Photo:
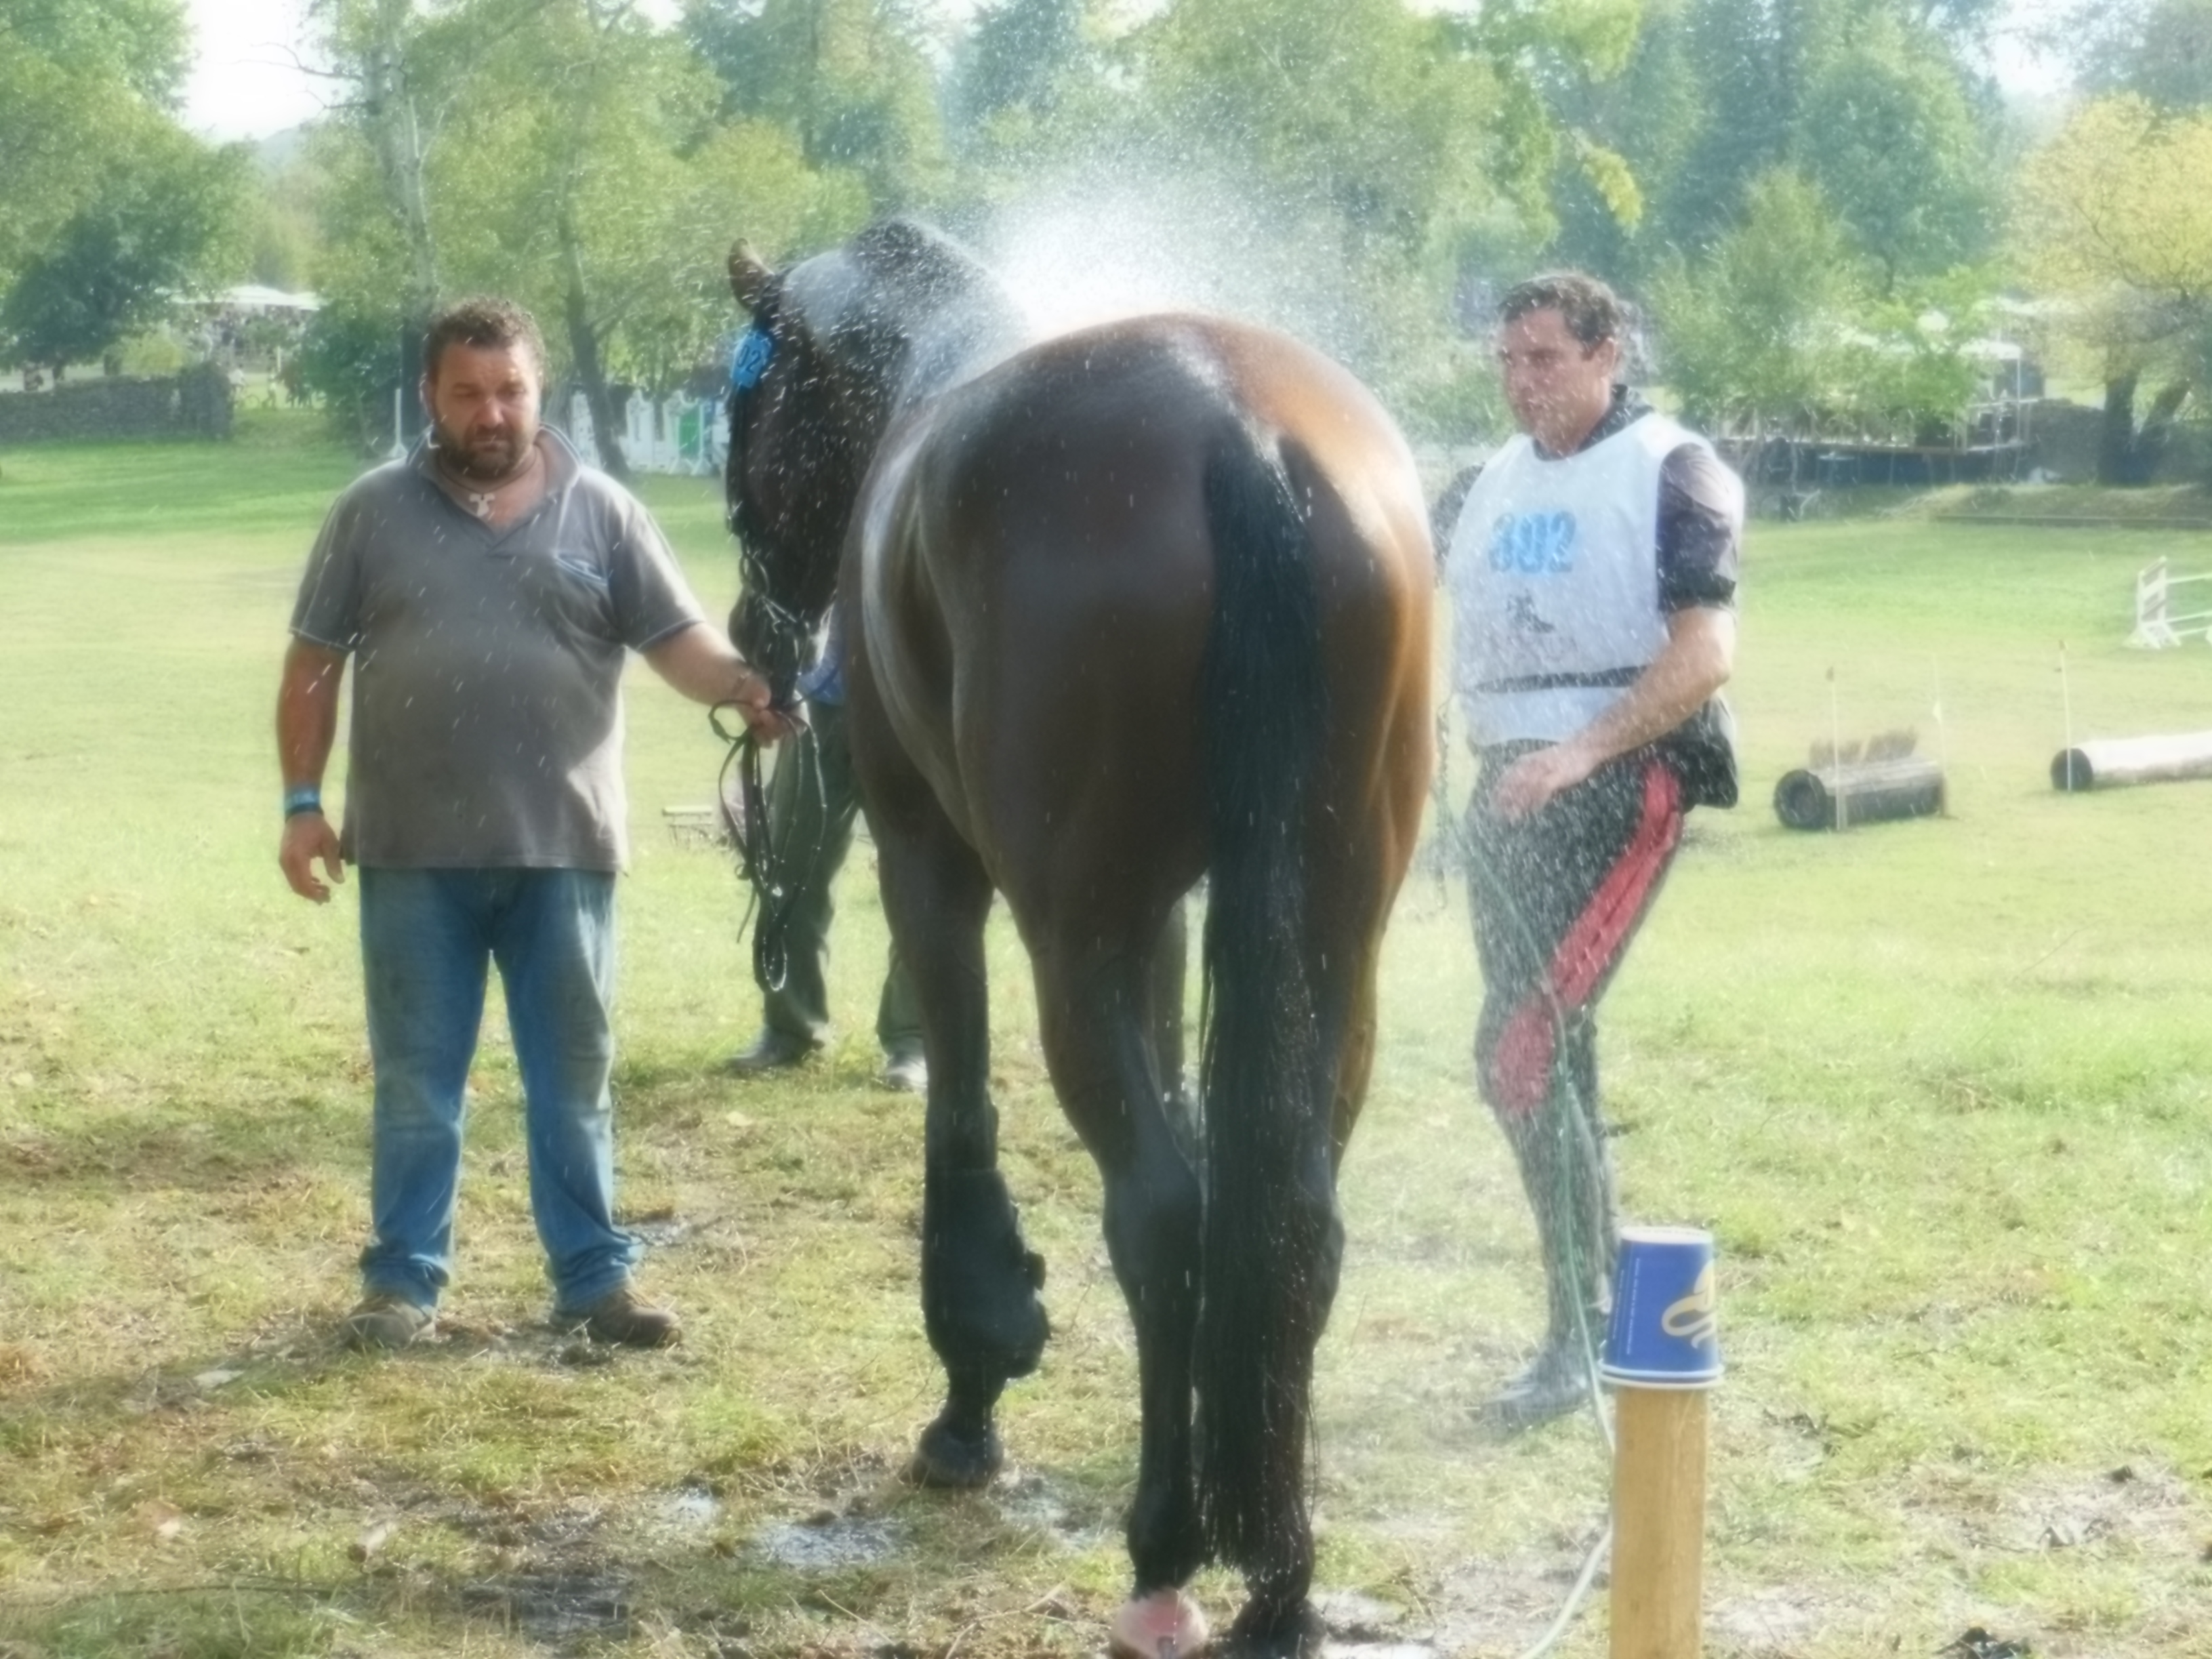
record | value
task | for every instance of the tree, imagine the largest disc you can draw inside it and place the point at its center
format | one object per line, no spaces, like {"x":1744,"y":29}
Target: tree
{"x":349,"y":358}
{"x":1015,"y":57}
{"x":850,"y":79}
{"x":1753,"y":335}
{"x":2159,"y":50}
{"x":82,"y":81}
{"x":1876,"y":101}
{"x":403,"y":70}
{"x":1343,"y":171}
{"x":1887,"y":133}
{"x":1364,"y":155}
{"x":1750,"y":63}
{"x":572,"y":155}
{"x":1652,"y":114}
{"x":589,"y":174}
{"x":286,"y":244}
{"x":142,"y":46}
{"x":109,"y":206}
{"x":161,"y":221}
{"x":2114,"y":213}
{"x":1362,"y":109}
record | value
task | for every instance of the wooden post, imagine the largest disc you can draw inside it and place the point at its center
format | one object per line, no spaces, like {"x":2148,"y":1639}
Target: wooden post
{"x":1658,"y":1522}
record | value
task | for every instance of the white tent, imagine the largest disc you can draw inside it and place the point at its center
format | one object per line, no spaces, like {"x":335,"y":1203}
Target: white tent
{"x":252,"y":296}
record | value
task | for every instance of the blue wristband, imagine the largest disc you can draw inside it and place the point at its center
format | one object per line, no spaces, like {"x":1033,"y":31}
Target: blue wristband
{"x":307,"y":798}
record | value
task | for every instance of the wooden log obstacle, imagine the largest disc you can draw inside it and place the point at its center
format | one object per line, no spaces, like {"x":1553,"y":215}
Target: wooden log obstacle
{"x":1860,"y":783}
{"x":1868,"y":792}
{"x":2158,"y":623}
{"x":2116,"y":761}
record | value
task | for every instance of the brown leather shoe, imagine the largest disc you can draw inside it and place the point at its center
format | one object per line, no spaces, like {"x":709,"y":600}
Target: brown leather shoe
{"x":620,"y":1317}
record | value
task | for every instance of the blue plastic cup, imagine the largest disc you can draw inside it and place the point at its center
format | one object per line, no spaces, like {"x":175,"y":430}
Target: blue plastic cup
{"x":1665,"y":1332}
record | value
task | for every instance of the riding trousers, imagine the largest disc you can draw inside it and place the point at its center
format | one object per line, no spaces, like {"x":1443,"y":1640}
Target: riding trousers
{"x":1558,"y":895}
{"x":812,"y":804}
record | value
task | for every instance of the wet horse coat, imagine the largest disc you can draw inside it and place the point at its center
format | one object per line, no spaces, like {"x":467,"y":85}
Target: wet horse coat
{"x":1121,"y":610}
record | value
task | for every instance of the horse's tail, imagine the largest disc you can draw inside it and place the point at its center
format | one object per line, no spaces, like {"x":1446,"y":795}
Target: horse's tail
{"x":1272,"y":1237}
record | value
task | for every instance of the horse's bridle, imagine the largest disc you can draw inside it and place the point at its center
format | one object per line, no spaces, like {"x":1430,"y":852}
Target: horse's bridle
{"x":756,"y":352}
{"x":772,"y":872}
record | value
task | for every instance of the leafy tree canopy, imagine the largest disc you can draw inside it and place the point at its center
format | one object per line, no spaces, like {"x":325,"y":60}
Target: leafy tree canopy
{"x":142,"y":46}
{"x":2119,"y":199}
{"x":81,"y":83}
{"x":2159,"y":50}
{"x":1017,"y":55}
{"x":1877,"y":102}
{"x":162,"y":223}
{"x":1887,"y":133}
{"x":1749,"y":333}
{"x":584,"y":168}
{"x":851,"y":79}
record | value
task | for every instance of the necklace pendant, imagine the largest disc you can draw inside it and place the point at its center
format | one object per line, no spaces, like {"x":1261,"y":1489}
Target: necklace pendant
{"x":480,"y":504}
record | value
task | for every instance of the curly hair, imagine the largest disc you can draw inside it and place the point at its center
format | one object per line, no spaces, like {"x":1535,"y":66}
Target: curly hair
{"x":484,"y":321}
{"x":1592,"y":312}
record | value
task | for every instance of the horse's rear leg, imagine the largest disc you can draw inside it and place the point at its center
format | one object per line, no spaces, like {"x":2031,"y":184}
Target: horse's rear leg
{"x":1104,"y":1021}
{"x":979,"y":1281}
{"x":1171,"y":964}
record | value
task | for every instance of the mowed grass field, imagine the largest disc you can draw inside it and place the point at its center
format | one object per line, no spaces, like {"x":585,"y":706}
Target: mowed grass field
{"x":1943,"y":1091}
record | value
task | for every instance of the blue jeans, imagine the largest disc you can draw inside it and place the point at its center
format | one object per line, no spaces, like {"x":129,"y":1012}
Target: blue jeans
{"x":426,"y":937}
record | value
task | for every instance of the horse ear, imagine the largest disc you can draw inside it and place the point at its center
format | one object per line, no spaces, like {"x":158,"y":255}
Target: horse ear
{"x":749,"y":278}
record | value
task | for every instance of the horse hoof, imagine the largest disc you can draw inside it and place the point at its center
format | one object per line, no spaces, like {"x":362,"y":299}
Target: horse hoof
{"x":1165,"y":1624}
{"x":955,"y":1461}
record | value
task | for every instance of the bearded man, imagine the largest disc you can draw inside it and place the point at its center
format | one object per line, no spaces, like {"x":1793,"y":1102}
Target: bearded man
{"x":485,"y":587}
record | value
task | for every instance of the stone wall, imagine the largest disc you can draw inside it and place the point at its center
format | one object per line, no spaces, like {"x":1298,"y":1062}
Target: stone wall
{"x":195,"y":404}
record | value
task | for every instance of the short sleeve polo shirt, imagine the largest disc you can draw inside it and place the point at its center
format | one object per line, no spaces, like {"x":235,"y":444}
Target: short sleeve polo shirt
{"x":486,"y":723}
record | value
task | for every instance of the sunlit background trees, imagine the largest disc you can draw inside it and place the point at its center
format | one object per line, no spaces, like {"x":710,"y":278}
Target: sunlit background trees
{"x":1819,"y":204}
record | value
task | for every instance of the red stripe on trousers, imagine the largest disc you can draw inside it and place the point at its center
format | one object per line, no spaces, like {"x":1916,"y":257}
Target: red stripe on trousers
{"x":1520,"y":1064}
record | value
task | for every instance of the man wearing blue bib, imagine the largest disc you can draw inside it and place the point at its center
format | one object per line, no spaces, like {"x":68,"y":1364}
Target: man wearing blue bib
{"x":1592,"y":569}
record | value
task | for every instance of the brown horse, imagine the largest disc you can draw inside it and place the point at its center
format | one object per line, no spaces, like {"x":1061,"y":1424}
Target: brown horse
{"x":1121,"y":610}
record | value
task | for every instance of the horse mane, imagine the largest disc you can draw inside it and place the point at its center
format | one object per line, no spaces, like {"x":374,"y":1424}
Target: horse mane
{"x":925,"y":312}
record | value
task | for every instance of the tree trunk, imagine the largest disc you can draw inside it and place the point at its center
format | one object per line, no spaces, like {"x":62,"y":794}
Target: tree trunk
{"x":2116,"y":443}
{"x":2128,"y":453}
{"x":2157,"y":429}
{"x":584,"y":348}
{"x":402,"y":154}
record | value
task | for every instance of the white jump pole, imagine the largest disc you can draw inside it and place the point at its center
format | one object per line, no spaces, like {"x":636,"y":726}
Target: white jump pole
{"x":2066,"y":711}
{"x":1835,"y":752}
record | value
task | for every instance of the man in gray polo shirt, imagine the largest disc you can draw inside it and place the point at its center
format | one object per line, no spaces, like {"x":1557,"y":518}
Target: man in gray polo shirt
{"x":486,"y":587}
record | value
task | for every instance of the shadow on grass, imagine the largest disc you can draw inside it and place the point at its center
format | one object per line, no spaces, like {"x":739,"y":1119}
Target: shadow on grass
{"x":843,"y":1576}
{"x":171,"y":1145}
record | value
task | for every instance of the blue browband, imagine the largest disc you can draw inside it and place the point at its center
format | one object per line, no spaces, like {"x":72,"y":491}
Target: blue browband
{"x":756,"y":350}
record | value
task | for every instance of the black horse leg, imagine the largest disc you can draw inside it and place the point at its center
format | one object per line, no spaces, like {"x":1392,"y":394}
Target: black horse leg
{"x":1096,"y":1011}
{"x":1170,"y":958}
{"x":979,"y":1281}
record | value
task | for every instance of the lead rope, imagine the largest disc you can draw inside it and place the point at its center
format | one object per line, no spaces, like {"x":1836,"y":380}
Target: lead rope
{"x":772,"y":895}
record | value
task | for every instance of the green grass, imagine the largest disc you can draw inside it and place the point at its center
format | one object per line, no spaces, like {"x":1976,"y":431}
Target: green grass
{"x":1941,"y":1089}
